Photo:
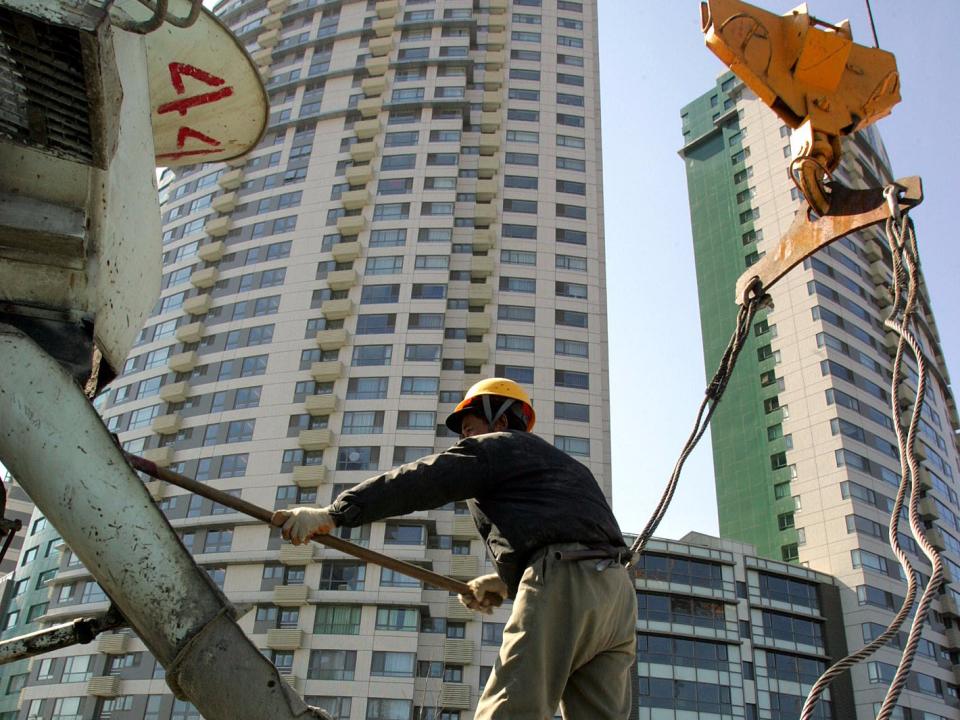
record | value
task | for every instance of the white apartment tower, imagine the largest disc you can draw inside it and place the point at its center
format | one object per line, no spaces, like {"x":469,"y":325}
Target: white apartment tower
{"x":424,"y":210}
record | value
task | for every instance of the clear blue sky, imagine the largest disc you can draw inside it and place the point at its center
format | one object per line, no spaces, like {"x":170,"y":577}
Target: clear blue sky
{"x":652,"y":62}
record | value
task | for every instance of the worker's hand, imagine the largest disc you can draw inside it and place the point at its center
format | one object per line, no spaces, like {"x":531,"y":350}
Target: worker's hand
{"x":302,"y":523}
{"x":487,"y":592}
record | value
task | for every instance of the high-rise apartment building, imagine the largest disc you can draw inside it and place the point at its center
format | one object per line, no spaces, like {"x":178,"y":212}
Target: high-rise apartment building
{"x":424,"y":210}
{"x":804,"y":446}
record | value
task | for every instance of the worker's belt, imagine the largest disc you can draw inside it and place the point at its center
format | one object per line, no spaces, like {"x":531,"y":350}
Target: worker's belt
{"x":620,"y":555}
{"x":575,"y":552}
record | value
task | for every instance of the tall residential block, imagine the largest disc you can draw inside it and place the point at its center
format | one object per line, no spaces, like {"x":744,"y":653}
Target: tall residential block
{"x":424,"y":210}
{"x":804,"y":446}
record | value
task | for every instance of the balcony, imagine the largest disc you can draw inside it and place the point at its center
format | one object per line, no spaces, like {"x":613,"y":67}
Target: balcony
{"x":346,"y":251}
{"x":263,"y":57}
{"x":455,"y":695}
{"x":365,"y":129}
{"x":319,"y":405}
{"x":156,"y":489}
{"x":269,"y":39}
{"x":191,"y":332}
{"x":351,"y":224}
{"x":331,"y":339}
{"x":481,"y":266}
{"x":205,"y":277}
{"x":380,"y":46}
{"x":486,"y":189}
{"x":355,"y":199}
{"x":326,"y":371}
{"x":492,"y":79}
{"x":373,"y":86}
{"x":272,"y":21}
{"x":477,"y":323}
{"x":290,"y":595}
{"x":489,"y":142}
{"x":484,"y":214}
{"x":284,"y":638}
{"x":309,"y":475}
{"x":483,"y":239}
{"x":211,"y":252}
{"x":879,"y":271}
{"x":197,"y":305}
{"x":936,"y":538}
{"x":217,"y":227}
{"x":336,"y":309}
{"x":113,"y":644}
{"x":358,"y":175}
{"x":342,"y":279}
{"x":105,"y":686}
{"x":231,"y":179}
{"x":464,"y":566}
{"x":277,"y":6}
{"x":166,"y":424}
{"x":183,"y":362}
{"x":224,"y":203}
{"x":175,"y":392}
{"x":928,"y":509}
{"x":948,"y":606}
{"x":456,"y":610}
{"x":296,"y":554}
{"x":496,"y":7}
{"x":315,"y":439}
{"x":493,"y":60}
{"x":871,"y":248}
{"x":489,"y":121}
{"x":492,"y":100}
{"x":384,"y":27}
{"x":161,"y":457}
{"x":487,"y":167}
{"x":387,"y":8}
{"x":882,"y":295}
{"x":370,"y":107}
{"x":464,"y":528}
{"x":457,"y":651}
{"x":377,"y":65}
{"x":476,"y":353}
{"x":479,"y":294}
{"x":363,"y":152}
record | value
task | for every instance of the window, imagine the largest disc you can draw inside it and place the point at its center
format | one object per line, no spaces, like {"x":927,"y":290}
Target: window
{"x":337,"y":620}
{"x":358,"y":458}
{"x":392,"y":664}
{"x":394,"y":186}
{"x":360,"y":422}
{"x":398,"y":619}
{"x":516,"y":313}
{"x":571,"y":411}
{"x":378,"y":323}
{"x":379,"y":294}
{"x":391,"y":211}
{"x":414,"y":352}
{"x":371,"y":355}
{"x":572,"y":445}
{"x":516,"y":343}
{"x":518,"y":284}
{"x":572,"y":348}
{"x":419,"y":386}
{"x":332,"y":664}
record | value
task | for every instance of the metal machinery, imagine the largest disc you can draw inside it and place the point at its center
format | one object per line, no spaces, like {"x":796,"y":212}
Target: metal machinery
{"x":94,"y":96}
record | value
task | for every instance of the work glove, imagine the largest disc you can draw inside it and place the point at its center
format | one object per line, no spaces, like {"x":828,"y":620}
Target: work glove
{"x":486,"y":593}
{"x":302,"y":523}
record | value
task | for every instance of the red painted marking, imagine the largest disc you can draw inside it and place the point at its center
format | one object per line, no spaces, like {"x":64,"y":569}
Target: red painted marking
{"x":184,"y":132}
{"x":186,"y":153}
{"x":181,"y":106}
{"x":178,"y":70}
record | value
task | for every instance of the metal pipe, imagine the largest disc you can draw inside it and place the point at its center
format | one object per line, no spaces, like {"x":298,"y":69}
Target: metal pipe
{"x":79,"y":631}
{"x":55,"y":444}
{"x":264,"y":515}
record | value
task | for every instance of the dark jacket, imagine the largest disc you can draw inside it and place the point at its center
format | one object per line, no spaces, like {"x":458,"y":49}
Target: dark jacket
{"x":523,"y":493}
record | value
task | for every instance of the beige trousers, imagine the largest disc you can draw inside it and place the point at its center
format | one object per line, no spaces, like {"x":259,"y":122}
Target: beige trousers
{"x":570,"y":642}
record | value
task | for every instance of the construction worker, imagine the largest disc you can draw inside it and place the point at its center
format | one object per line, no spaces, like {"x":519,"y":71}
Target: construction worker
{"x":571,"y":637}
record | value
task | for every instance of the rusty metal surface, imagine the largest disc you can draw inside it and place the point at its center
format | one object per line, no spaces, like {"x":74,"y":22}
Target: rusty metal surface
{"x":264,"y":515}
{"x":53,"y":441}
{"x":79,"y":631}
{"x":850,"y":210}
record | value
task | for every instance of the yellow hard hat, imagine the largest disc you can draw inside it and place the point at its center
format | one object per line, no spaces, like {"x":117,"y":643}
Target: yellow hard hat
{"x":479,"y":395}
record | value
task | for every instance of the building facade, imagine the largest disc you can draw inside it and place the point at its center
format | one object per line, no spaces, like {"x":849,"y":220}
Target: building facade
{"x":725,"y":633}
{"x":424,"y":210}
{"x":804,"y":445}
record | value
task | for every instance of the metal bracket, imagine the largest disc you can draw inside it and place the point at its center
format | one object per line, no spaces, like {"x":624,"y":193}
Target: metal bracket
{"x":850,"y":210}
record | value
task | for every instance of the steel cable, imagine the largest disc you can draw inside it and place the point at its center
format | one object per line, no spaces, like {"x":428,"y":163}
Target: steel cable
{"x":754,"y":298}
{"x":901,"y":240}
